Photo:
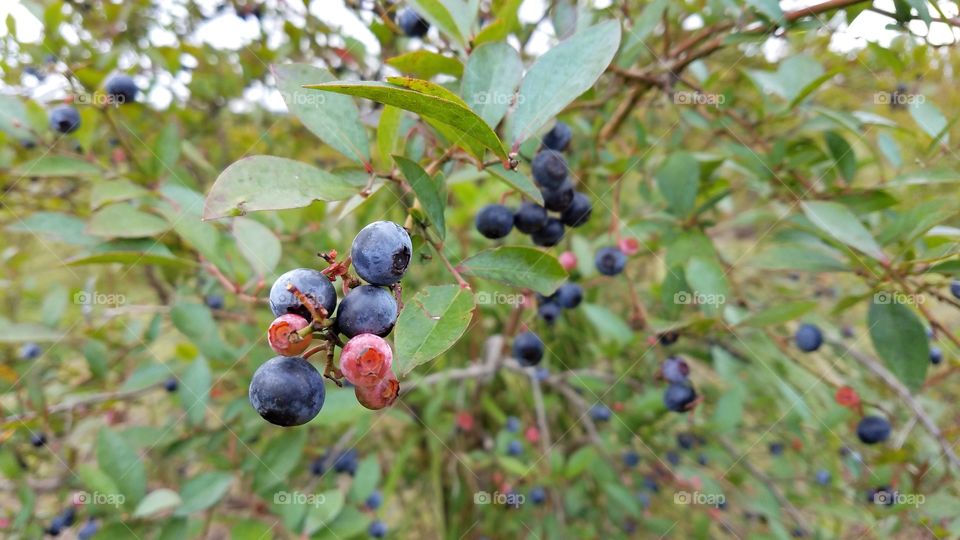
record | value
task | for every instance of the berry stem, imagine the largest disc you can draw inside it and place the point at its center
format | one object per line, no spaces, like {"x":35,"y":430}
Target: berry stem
{"x":318,"y":313}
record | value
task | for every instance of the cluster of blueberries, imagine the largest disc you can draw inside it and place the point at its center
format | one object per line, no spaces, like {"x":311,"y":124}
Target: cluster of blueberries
{"x":346,"y":462}
{"x":120,"y":89}
{"x":551,"y":174}
{"x":679,"y":395}
{"x":64,"y":520}
{"x":287,"y":390}
{"x":567,"y":296}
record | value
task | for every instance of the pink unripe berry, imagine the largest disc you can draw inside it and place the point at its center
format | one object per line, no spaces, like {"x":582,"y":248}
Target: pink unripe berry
{"x":568,"y":260}
{"x":366,"y":359}
{"x":629,"y":246}
{"x":381,"y":395}
{"x":282,"y":335}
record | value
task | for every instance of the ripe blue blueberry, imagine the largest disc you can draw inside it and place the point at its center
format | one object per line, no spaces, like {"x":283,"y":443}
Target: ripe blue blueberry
{"x":312,"y":283}
{"x":121,"y":89}
{"x":686,"y":440}
{"x":558,"y":138}
{"x":347,"y":462}
{"x":650,"y":483}
{"x":88,"y":530}
{"x":569,"y":295}
{"x":378,"y":529}
{"x":30,"y":351}
{"x":631,"y":458}
{"x":776,"y":448}
{"x":560,"y":198}
{"x":578,"y":212}
{"x":549,"y":169}
{"x":513,"y":424}
{"x":412,"y":24}
{"x":644,"y":500}
{"x":381,"y":253}
{"x":600,"y":413}
{"x":514,"y":448}
{"x":702,"y":459}
{"x":38,"y":440}
{"x":873,"y":429}
{"x":495,"y":221}
{"x":367,"y":310}
{"x":678,"y":397}
{"x":936,"y":355}
{"x":955,"y":288}
{"x":374,"y":500}
{"x":673,"y":458}
{"x":549,"y":312}
{"x":668,"y":338}
{"x":530,"y":218}
{"x":170,"y":385}
{"x":823,"y":477}
{"x":287,"y":391}
{"x":213,"y":301}
{"x":318,"y":466}
{"x":675,"y":370}
{"x":610,"y":261}
{"x":64,"y":119}
{"x":538,"y":495}
{"x":550,"y":235}
{"x":808,"y":338}
{"x":528,"y":349}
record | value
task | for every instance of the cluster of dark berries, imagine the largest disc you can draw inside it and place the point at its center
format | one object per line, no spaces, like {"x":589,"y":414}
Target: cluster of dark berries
{"x":680,"y":395}
{"x":552,"y":176}
{"x":568,"y":296}
{"x":287,"y":390}
{"x":120,"y":89}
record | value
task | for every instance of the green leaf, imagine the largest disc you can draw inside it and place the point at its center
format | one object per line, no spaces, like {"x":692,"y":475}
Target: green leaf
{"x":518,"y":181}
{"x":428,"y":192}
{"x":791,"y":78}
{"x":388,"y":134}
{"x":195,"y":390}
{"x":778,"y":314}
{"x":13,"y":118}
{"x":157,"y":501}
{"x":55,"y":226}
{"x":365,"y":480}
{"x":122,"y":220}
{"x":23,"y":332}
{"x":272,"y":183}
{"x":769,"y":8}
{"x":335,"y":119}
{"x":437,"y":14}
{"x":130,"y":252}
{"x":708,"y":282}
{"x":519,"y":266}
{"x":122,"y":464}
{"x":115,"y":190}
{"x":259,"y":246}
{"x":323,"y":511}
{"x":55,"y":166}
{"x":838,"y":222}
{"x":493,"y":72}
{"x":203,"y":491}
{"x":341,"y":408}
{"x":560,"y":76}
{"x":929,"y":118}
{"x":426,"y":102}
{"x":797,"y":257}
{"x":678,"y":179}
{"x":196,"y":322}
{"x":279,"y":459}
{"x":426,"y":64}
{"x":842,"y":154}
{"x":430,"y":324}
{"x":900,"y":339}
{"x":608,"y":323}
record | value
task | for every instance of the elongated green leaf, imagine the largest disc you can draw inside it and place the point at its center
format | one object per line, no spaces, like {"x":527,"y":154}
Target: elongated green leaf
{"x":708,"y":282}
{"x":195,"y":390}
{"x":518,"y":181}
{"x":55,"y":166}
{"x":426,"y":64}
{"x":388,"y":134}
{"x":122,"y":220}
{"x":55,"y":226}
{"x":325,"y":509}
{"x":438,"y":14}
{"x":519,"y":266}
{"x":490,"y":80}
{"x":196,"y":322}
{"x":279,"y":459}
{"x":157,"y":501}
{"x":114,"y":190}
{"x":778,"y":314}
{"x":272,"y":183}
{"x":122,"y":464}
{"x":929,"y":118}
{"x":425,"y":102}
{"x":203,"y":491}
{"x":430,"y":324}
{"x":678,"y":179}
{"x":335,"y":119}
{"x":900,"y":339}
{"x":13,"y":118}
{"x":560,"y":76}
{"x":838,"y":222}
{"x":23,"y":332}
{"x":428,"y":193}
{"x":259,"y":246}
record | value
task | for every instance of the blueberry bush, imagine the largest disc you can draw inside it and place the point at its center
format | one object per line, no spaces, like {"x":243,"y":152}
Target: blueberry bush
{"x":479,"y":269}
